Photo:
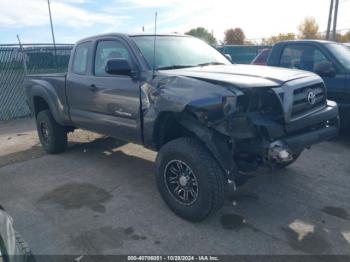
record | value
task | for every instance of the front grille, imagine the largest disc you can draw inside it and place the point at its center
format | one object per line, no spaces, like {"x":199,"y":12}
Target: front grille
{"x":307,"y":98}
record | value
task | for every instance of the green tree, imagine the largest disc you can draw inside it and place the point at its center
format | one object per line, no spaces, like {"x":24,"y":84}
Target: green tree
{"x":277,"y":38}
{"x":308,"y":29}
{"x":234,"y":36}
{"x":202,"y":33}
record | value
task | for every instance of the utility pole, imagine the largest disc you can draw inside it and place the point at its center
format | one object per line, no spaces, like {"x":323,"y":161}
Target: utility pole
{"x":335,"y":20}
{"x":330,"y":20}
{"x":52,"y":32}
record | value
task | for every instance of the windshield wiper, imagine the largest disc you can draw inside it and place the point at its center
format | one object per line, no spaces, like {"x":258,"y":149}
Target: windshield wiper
{"x":211,"y":63}
{"x":186,"y":66}
{"x":173,"y":67}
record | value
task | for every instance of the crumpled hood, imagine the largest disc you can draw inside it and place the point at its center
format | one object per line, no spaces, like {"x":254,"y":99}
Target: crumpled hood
{"x":243,"y":76}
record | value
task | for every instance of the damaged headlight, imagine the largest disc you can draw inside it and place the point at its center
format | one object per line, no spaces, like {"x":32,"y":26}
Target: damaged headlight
{"x":229,"y":104}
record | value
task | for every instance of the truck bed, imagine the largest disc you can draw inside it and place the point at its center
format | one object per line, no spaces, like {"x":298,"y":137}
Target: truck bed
{"x":55,"y":86}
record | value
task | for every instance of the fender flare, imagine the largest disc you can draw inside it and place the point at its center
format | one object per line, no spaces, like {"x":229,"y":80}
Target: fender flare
{"x":51,"y":99}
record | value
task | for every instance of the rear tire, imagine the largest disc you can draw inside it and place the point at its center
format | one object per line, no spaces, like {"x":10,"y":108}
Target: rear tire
{"x":53,"y":137}
{"x":185,"y":165}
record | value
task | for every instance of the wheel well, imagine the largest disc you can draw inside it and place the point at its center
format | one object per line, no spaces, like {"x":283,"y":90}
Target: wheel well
{"x":168,"y":128}
{"x":39,"y":105}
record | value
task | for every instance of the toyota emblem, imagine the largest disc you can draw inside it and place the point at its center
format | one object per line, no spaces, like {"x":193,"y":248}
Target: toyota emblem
{"x":311,"y":97}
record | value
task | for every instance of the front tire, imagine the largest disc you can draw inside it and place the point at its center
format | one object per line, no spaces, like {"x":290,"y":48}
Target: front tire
{"x":189,"y":179}
{"x":53,"y":137}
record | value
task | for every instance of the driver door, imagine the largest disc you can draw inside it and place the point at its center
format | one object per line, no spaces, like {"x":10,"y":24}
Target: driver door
{"x":101,"y":102}
{"x":116,"y":97}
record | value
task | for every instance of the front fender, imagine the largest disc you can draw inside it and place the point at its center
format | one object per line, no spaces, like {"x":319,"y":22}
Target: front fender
{"x":176,"y":94}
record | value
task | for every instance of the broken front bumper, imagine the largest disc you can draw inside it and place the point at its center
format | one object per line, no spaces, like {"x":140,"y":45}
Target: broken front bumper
{"x":305,"y":132}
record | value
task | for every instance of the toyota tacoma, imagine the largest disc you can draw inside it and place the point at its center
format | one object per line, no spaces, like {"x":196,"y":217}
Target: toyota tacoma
{"x":329,"y":60}
{"x":209,"y":120}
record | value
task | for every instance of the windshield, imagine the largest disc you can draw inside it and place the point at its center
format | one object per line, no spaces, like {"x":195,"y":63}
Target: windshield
{"x":342,"y":53}
{"x":178,"y":52}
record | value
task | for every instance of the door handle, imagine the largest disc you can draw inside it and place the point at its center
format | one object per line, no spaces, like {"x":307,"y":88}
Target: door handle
{"x":93,"y":88}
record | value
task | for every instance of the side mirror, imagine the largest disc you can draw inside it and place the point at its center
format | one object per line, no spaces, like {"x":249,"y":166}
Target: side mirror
{"x":118,"y":66}
{"x":325,"y":69}
{"x":228,"y":56}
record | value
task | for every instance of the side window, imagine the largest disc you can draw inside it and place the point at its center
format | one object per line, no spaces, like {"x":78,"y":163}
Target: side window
{"x":81,"y":57}
{"x":302,"y":57}
{"x":290,"y":57}
{"x":319,"y":58}
{"x":106,"y":50}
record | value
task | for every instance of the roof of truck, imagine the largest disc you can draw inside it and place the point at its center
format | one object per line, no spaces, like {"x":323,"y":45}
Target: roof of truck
{"x":307,"y":41}
{"x":126,"y":35}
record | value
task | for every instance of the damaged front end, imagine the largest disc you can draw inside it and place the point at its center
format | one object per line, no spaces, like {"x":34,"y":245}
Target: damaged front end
{"x":243,"y":127}
{"x":258,"y":126}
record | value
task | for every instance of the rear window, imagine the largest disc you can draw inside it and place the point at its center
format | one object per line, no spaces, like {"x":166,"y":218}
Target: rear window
{"x":81,"y":56}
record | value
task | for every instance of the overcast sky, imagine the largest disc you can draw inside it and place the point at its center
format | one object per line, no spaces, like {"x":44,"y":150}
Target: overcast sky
{"x":74,"y":19}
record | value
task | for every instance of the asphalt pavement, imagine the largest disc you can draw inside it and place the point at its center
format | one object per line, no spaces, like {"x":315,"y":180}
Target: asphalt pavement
{"x":100,"y":197}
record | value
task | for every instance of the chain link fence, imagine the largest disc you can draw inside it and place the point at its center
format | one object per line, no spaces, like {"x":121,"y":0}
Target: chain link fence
{"x":39,"y":59}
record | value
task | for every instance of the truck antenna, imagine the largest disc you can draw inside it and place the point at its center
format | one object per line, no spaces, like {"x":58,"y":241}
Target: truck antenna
{"x":52,"y":32}
{"x":24,"y":60}
{"x":154,"y":44}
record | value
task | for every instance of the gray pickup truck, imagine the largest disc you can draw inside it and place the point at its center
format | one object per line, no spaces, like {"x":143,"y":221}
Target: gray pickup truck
{"x":210,"y":121}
